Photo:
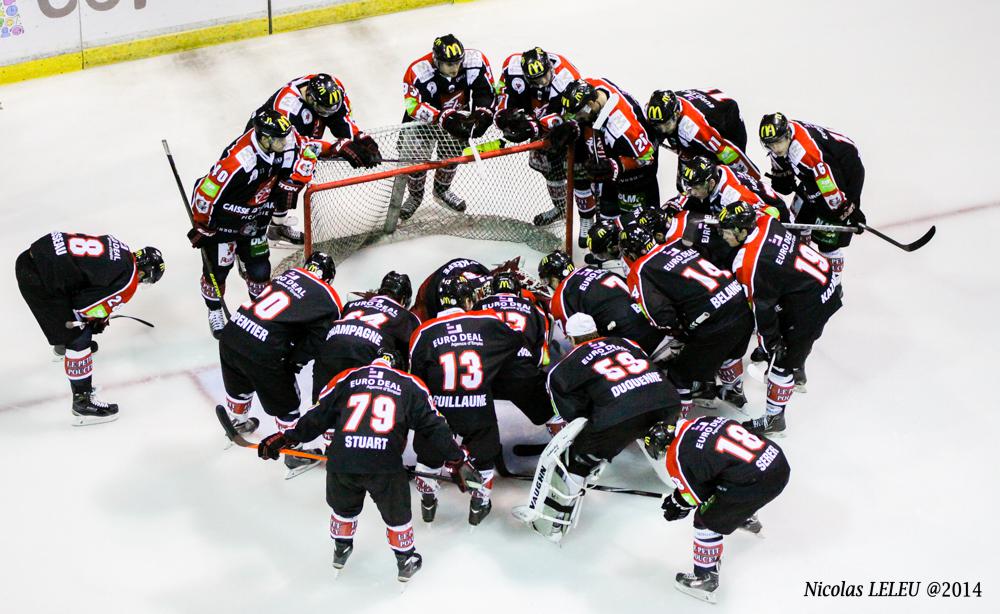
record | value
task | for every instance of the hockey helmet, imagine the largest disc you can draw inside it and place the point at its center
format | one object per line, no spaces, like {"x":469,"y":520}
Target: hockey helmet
{"x":662,"y":106}
{"x":321,"y":264}
{"x":696,"y":172}
{"x":536,"y":66}
{"x":557,"y":264}
{"x":602,"y":238}
{"x":324,"y":95}
{"x":447,"y":48}
{"x":773,"y":127}
{"x":397,"y":287}
{"x":455,"y":290}
{"x":505,"y":282}
{"x":737,"y":216}
{"x":390,"y":357}
{"x":149,"y":263}
{"x":636,"y":242}
{"x":575,"y":98}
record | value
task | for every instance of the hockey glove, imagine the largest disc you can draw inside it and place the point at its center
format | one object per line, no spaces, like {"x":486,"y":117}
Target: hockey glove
{"x":97,"y":326}
{"x":199,"y":236}
{"x":270,"y":447}
{"x":456,"y":123}
{"x":520,"y":128}
{"x":561,"y":136}
{"x":851,"y":214}
{"x":602,"y":169}
{"x":503,"y":118}
{"x":465,"y":475}
{"x":783,"y":182}
{"x":675,"y":507}
{"x":481,"y":119}
{"x":351,"y":151}
{"x":372,"y":156}
{"x":775,"y":348}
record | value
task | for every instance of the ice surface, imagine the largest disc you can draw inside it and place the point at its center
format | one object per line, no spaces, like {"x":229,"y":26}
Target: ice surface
{"x":894,"y":472}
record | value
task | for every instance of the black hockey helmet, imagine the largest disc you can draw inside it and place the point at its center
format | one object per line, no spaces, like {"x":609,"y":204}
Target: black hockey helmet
{"x":658,"y":439}
{"x":602,"y":238}
{"x":654,"y":219}
{"x":505,"y":282}
{"x":397,"y":287}
{"x":268,"y":122}
{"x":321,"y":264}
{"x":149,"y":263}
{"x":455,"y":290}
{"x":390,"y":356}
{"x":662,"y":106}
{"x":447,"y":48}
{"x":773,"y":127}
{"x":737,"y":216}
{"x":576,"y":95}
{"x":697,"y":171}
{"x":557,"y":264}
{"x":636,"y":242}
{"x":535,"y":64}
{"x":324,"y":95}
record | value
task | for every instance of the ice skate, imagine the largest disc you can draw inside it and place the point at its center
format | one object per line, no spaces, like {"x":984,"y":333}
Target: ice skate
{"x":410,"y":205}
{"x":549,"y":216}
{"x":800,"y":379}
{"x":768,"y":424}
{"x":341,"y":552}
{"x":428,"y":507}
{"x":753,"y":526}
{"x":297,"y":465}
{"x":407,"y":564}
{"x":699,"y":586}
{"x":246,"y":425}
{"x":733,"y":396}
{"x":216,"y":321}
{"x":758,"y":355}
{"x":445,"y":197}
{"x":88,"y":409}
{"x":479,"y":509}
{"x":286,"y":234}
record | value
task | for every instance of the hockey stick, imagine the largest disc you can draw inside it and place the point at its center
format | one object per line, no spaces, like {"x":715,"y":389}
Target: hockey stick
{"x":187,"y":209}
{"x":906,"y":247}
{"x":233,"y":436}
{"x":504,"y":472}
{"x":80,"y":324}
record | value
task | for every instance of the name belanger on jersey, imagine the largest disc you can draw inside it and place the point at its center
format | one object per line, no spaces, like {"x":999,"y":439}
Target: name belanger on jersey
{"x":723,"y":296}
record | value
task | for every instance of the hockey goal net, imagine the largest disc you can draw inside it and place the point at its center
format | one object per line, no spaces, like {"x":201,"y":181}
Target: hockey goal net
{"x":347,"y":209}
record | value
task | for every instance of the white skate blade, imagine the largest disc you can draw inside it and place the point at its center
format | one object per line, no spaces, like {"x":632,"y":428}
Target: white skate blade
{"x":698,"y":594}
{"x":297,"y":471}
{"x":89,"y":420}
{"x":525,"y":514}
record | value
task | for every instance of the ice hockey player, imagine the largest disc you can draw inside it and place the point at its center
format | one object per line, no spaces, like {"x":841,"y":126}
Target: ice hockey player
{"x":72,"y":284}
{"x":711,"y":186}
{"x":428,"y":304}
{"x":520,"y":313}
{"x":700,"y":305}
{"x":450,"y":87}
{"x":776,"y":268}
{"x":381,"y":321}
{"x":697,"y":230}
{"x":616,"y":152}
{"x":700,"y":123}
{"x":232,"y":205}
{"x":312,"y":104}
{"x":528,"y":106}
{"x":613,"y":386}
{"x":601,"y":294}
{"x":260,"y":348}
{"x":727,"y":473}
{"x":824,"y":170}
{"x":368,"y":412}
{"x":655,"y":219}
{"x":460,"y":355}
{"x":602,"y":242}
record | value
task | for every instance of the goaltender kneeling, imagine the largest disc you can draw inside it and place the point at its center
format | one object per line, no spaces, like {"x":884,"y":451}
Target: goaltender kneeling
{"x":371,"y":410}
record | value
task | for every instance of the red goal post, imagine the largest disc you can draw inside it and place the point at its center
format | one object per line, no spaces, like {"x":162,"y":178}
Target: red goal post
{"x":347,"y":209}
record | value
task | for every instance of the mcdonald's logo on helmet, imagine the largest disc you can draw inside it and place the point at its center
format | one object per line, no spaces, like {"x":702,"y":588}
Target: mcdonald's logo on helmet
{"x":447,"y":48}
{"x":773,"y":127}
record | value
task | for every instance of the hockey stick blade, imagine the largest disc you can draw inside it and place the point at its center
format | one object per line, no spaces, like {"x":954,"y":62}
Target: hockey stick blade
{"x":600,"y":487}
{"x":906,"y":247}
{"x":227,"y":426}
{"x":529,"y":449}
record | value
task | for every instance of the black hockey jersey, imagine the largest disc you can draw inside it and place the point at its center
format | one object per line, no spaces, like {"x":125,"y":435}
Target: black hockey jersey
{"x":710,"y":125}
{"x":428,"y":303}
{"x":394,"y":322}
{"x":427,"y":93}
{"x":609,"y":380}
{"x":458,"y":355}
{"x":514,"y":91}
{"x":367,"y":413}
{"x":235,"y":199}
{"x":693,"y":231}
{"x":826,"y":164}
{"x":715,"y":453}
{"x":97,"y":273}
{"x":685,"y":293}
{"x":778,"y":271}
{"x":295,"y":305}
{"x":604,"y":296}
{"x":525,"y":317}
{"x":618,"y":132}
{"x":289,"y":102}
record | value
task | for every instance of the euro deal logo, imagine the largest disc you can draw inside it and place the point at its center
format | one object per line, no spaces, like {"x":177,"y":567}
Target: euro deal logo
{"x":10,"y":20}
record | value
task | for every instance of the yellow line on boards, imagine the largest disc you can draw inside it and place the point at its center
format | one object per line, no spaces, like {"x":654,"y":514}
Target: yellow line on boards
{"x":203,"y":37}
